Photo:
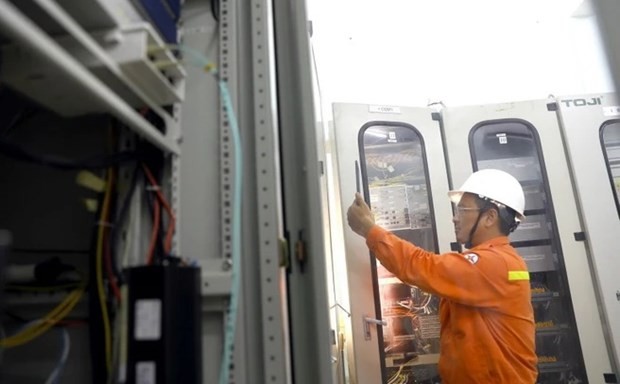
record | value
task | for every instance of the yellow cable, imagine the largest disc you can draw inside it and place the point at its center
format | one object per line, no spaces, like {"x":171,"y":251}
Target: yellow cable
{"x":33,"y":288}
{"x":53,"y":317}
{"x":99,"y":272}
{"x":48,"y":320}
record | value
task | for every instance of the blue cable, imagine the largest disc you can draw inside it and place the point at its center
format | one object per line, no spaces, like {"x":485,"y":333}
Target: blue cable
{"x":231,"y":321}
{"x":54,"y":377}
{"x":65,"y":348}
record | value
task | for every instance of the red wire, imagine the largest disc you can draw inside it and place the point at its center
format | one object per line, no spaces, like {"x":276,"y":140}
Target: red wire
{"x":164,"y":202}
{"x":155,"y":232}
{"x":170,"y":232}
{"x":72,"y":323}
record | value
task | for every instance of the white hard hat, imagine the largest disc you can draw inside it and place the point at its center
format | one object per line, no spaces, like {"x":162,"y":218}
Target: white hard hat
{"x":498,"y":186}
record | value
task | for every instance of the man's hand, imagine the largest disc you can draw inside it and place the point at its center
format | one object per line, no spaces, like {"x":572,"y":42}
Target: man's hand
{"x":360,"y":217}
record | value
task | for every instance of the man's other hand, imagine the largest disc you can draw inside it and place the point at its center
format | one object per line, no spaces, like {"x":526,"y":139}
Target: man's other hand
{"x":360,"y":217}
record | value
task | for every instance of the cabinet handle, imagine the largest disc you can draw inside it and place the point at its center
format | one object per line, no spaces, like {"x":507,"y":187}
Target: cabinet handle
{"x":368,"y":321}
{"x":358,"y":183}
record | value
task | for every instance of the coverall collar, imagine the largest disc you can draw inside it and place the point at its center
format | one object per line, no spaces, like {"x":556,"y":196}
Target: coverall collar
{"x":500,"y":240}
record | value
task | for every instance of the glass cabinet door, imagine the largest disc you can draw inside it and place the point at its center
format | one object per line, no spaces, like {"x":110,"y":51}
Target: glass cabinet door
{"x":513,"y":146}
{"x":610,"y":141}
{"x":395,"y":182}
{"x":591,"y":135}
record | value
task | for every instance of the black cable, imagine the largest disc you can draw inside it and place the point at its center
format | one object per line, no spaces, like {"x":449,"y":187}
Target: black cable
{"x":161,"y":236}
{"x":118,"y":221}
{"x":16,"y":110}
{"x":21,"y":319}
{"x":108,"y":233}
{"x":52,"y":251}
{"x":95,"y":162}
{"x":19,"y":117}
{"x":17,"y":318}
{"x":215,"y":9}
{"x":96,"y":330}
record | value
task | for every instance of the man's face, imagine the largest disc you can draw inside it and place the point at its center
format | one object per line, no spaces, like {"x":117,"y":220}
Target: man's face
{"x":465,"y":215}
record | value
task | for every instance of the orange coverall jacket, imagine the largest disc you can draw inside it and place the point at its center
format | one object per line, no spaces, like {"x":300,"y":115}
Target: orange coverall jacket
{"x":487,"y":322}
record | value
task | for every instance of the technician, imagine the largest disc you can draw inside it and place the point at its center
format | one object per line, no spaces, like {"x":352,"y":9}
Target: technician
{"x":487,"y":322}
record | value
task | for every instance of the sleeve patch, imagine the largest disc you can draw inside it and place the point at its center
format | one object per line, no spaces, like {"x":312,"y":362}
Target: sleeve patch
{"x":472,"y":257}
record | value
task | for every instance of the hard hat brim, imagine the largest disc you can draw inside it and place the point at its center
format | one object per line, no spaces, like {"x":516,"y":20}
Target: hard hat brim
{"x":455,"y":197}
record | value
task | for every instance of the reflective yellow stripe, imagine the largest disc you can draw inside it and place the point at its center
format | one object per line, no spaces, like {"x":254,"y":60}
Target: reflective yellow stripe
{"x":518,"y":275}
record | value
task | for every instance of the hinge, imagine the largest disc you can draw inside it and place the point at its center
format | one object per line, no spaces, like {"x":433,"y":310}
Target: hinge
{"x":552,"y":106}
{"x":436,"y":116}
{"x":300,"y":251}
{"x":580,"y":236}
{"x":455,"y":247}
{"x":284,"y":258}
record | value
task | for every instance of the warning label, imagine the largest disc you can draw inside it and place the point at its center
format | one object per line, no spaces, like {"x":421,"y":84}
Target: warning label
{"x":429,"y":326}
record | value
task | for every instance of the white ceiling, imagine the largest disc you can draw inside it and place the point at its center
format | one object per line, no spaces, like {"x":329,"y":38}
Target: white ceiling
{"x":460,"y":52}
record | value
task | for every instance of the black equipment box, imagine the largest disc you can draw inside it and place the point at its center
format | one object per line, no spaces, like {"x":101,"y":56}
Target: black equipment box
{"x":164,"y":330}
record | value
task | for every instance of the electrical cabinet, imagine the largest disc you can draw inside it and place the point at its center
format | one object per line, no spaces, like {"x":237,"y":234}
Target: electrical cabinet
{"x":393,"y":156}
{"x":92,"y":57}
{"x":524,"y":139}
{"x":73,"y":196}
{"x":591,"y":127}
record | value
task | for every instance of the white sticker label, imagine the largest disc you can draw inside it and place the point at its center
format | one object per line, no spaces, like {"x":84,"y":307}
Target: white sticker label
{"x":147,"y":324}
{"x":528,"y":226}
{"x":611,"y":111}
{"x":392,"y":137}
{"x":383,"y":109}
{"x":534,"y":257}
{"x":502,"y":138}
{"x":145,"y":372}
{"x":122,"y":372}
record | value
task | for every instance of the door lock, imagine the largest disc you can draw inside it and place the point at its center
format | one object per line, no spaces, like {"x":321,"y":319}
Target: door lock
{"x":367,"y":322}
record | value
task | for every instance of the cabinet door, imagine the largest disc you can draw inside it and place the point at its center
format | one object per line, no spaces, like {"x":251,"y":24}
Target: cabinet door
{"x":394,"y":157}
{"x":591,"y":126}
{"x":524,"y":139}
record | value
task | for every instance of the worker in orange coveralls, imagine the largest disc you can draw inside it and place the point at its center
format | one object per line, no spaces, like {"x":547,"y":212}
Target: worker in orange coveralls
{"x":487,"y":322}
